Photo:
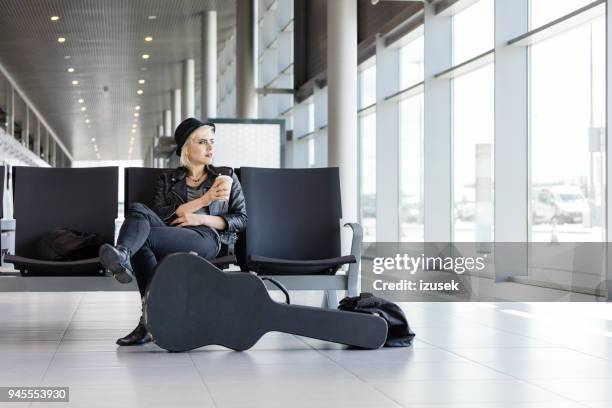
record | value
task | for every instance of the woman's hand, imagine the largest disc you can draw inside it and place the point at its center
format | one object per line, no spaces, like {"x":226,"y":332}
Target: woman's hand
{"x":188,"y":220}
{"x":218,"y":191}
{"x":193,"y":220}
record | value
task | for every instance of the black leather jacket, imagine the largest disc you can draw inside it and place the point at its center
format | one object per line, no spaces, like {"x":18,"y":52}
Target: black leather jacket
{"x":171,"y":192}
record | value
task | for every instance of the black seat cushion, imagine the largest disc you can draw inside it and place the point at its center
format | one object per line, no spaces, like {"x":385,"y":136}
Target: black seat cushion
{"x":275,"y":266}
{"x":31,"y":266}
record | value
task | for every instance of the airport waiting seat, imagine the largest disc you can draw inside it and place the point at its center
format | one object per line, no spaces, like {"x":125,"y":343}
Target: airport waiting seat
{"x":139,"y":187}
{"x":82,"y":199}
{"x":2,"y":171}
{"x":7,"y":226}
{"x":293,"y":230}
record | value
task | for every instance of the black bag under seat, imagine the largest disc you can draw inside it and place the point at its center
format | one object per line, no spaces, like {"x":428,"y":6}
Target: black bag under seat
{"x":63,"y":244}
{"x":398,"y":330}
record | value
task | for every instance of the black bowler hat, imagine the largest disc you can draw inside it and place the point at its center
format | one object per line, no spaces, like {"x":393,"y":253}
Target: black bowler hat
{"x":185,"y":129}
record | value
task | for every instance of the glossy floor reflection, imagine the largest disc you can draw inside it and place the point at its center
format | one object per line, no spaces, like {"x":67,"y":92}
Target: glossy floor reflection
{"x":494,"y":355}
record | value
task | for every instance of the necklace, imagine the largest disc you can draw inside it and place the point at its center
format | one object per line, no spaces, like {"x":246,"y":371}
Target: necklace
{"x":196,"y":179}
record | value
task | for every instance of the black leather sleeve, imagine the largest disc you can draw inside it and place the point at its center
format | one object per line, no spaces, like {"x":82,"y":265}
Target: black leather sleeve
{"x":161,"y":205}
{"x":236,"y":217}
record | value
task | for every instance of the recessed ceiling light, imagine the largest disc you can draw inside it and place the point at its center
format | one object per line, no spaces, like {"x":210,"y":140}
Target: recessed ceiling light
{"x":141,"y":81}
{"x":83,"y":108}
{"x":93,"y":139}
{"x":152,"y":17}
{"x":145,"y":56}
{"x":70,"y":69}
{"x":139,"y":92}
{"x":66,"y":56}
{"x":137,"y":107}
{"x":136,"y":114}
{"x":134,"y":126}
{"x":61,"y":40}
{"x":75,"y":82}
{"x":81,"y":100}
{"x":148,"y":39}
{"x":54,"y":18}
{"x":87,"y":121}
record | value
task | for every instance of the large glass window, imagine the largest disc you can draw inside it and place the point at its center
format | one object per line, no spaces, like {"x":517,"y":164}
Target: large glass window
{"x":473,"y":31}
{"x":367,"y":86}
{"x":411,"y":169}
{"x":473,"y":130}
{"x":411,"y":58}
{"x":367,"y":168}
{"x":545,"y":11}
{"x":311,"y":117}
{"x":367,"y":149}
{"x":311,"y":151}
{"x":567,"y":122}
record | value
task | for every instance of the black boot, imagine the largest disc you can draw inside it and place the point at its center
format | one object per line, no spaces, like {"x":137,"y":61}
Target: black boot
{"x":138,"y":336}
{"x":117,"y":260}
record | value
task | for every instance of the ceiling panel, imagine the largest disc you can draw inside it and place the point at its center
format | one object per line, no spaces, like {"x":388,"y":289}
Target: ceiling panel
{"x":104,"y":44}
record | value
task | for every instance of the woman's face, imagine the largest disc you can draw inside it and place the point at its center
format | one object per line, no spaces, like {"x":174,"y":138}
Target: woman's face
{"x":201,"y":143}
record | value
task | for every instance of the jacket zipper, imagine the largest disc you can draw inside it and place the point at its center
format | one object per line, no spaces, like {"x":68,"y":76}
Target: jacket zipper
{"x":174,"y":212}
{"x":177,"y":194}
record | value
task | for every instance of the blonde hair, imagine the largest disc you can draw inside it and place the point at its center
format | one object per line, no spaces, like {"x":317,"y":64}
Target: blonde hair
{"x":184,"y":160}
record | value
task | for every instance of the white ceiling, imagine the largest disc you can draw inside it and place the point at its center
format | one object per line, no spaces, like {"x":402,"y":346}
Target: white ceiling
{"x":105,"y":42}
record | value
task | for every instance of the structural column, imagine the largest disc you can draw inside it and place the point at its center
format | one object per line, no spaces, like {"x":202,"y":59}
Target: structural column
{"x":46,"y":145}
{"x":511,"y":140}
{"x":168,"y":123}
{"x":342,"y":102}
{"x":37,"y":138}
{"x":157,"y":162}
{"x":209,"y":65}
{"x":26,"y":132}
{"x":437,"y":144}
{"x":176,"y":109}
{"x":608,"y":148}
{"x":188,"y":89}
{"x":53,"y":154}
{"x":246,"y":98}
{"x":10,"y":114}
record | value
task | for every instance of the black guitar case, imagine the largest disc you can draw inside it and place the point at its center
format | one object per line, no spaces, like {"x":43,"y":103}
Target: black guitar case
{"x":190,"y":304}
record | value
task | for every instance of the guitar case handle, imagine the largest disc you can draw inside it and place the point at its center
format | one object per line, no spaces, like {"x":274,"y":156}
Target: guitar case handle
{"x":278,"y":285}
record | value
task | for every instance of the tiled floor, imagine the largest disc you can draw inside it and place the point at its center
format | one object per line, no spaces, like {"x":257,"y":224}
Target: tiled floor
{"x":472,"y":355}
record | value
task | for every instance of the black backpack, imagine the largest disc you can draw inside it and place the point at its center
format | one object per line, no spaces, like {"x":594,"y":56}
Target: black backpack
{"x":63,"y":244}
{"x":398,"y":330}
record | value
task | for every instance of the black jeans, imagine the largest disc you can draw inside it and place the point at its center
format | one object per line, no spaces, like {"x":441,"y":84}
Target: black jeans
{"x":150,"y":240}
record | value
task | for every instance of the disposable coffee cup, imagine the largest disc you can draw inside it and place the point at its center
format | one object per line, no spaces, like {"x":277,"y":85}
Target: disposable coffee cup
{"x":227,"y":182}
